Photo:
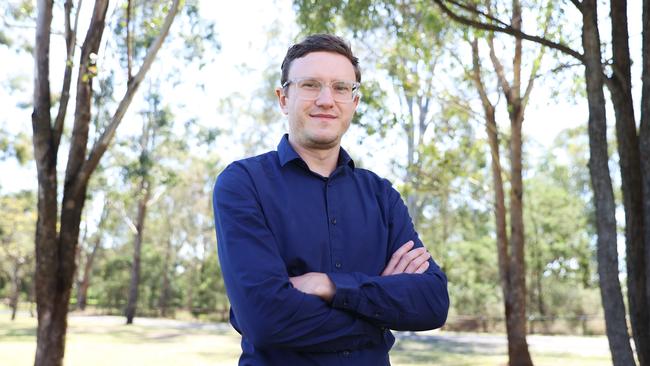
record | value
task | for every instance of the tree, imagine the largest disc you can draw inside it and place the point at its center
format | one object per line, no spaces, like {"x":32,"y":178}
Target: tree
{"x":633,"y":151}
{"x":510,"y":248}
{"x":57,"y":229}
{"x":156,"y":133}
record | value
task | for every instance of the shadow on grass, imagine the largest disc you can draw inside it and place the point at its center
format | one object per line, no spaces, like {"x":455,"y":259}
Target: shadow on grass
{"x":425,"y":350}
{"x":143,"y":333}
{"x":18,"y":333}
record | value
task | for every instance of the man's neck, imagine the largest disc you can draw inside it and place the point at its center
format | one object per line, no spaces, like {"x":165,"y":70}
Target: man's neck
{"x":321,"y":161}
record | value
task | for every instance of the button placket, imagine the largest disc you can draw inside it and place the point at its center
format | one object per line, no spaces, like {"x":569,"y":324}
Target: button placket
{"x":333,"y":211}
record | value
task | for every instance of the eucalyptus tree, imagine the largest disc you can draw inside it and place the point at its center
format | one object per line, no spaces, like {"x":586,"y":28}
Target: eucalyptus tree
{"x":57,"y":229}
{"x":511,"y":246}
{"x":633,"y":151}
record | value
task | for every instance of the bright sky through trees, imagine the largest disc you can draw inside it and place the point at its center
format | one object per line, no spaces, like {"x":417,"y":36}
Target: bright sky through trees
{"x":242,"y":30}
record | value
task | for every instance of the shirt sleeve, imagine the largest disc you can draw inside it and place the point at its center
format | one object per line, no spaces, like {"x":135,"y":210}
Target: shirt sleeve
{"x":400,"y":302}
{"x":268,"y":310}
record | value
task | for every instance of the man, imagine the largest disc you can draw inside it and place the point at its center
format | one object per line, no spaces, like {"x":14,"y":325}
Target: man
{"x":320,"y":258}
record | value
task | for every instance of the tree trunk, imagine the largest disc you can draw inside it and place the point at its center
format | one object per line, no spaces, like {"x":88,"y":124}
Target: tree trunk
{"x":517,"y":345}
{"x":620,"y":86}
{"x":137,"y":249}
{"x":491,"y":128}
{"x":610,"y":287}
{"x":55,"y":250}
{"x":644,"y":141}
{"x":82,"y":290}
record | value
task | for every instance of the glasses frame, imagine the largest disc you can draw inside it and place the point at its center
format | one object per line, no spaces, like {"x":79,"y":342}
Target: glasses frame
{"x":355,"y":88}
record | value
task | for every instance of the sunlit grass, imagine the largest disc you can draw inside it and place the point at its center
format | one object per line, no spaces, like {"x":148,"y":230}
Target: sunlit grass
{"x":110,"y":342}
{"x":107,"y":341}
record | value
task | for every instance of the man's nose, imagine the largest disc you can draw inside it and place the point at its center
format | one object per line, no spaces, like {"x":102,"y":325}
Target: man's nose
{"x":325,"y":97}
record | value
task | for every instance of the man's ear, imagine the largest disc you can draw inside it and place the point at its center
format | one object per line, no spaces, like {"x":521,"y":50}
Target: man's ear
{"x":282,"y":100}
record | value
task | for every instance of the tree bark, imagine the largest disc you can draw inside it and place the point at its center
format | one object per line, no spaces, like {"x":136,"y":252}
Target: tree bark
{"x":620,"y":86}
{"x":644,"y":141}
{"x":610,"y":287}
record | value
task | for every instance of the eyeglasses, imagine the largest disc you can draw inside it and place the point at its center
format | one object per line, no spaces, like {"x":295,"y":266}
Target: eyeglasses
{"x":310,"y":89}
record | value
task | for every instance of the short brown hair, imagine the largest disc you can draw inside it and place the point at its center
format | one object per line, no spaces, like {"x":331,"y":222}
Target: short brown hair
{"x":316,"y":43}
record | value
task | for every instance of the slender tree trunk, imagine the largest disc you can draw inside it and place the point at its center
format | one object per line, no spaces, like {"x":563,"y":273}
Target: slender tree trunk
{"x":82,"y":290}
{"x":620,"y":86}
{"x":518,"y":347}
{"x":137,"y":249}
{"x":491,"y":128}
{"x":610,"y":288}
{"x":644,"y":141}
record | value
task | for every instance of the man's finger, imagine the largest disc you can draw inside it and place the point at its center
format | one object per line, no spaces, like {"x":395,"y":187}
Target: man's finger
{"x":417,"y":262}
{"x":423,"y":267}
{"x":407,"y":259}
{"x":396,"y":257}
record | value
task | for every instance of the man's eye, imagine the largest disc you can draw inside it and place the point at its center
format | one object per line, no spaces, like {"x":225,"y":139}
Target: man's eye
{"x":342,"y":87}
{"x":310,"y":84}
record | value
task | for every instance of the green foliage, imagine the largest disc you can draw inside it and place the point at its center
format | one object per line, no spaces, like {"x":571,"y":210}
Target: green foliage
{"x":111,"y":288}
{"x":17,"y":14}
{"x":17,"y":146}
{"x":17,"y":223}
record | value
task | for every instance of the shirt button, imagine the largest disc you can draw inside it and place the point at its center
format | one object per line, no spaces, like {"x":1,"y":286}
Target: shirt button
{"x":338,"y":265}
{"x":333,"y":221}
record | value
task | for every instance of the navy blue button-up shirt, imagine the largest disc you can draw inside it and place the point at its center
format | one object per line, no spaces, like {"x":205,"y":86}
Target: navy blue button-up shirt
{"x":276,"y":219}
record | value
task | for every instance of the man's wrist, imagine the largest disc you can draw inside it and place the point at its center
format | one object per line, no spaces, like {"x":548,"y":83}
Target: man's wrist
{"x":327,"y":290}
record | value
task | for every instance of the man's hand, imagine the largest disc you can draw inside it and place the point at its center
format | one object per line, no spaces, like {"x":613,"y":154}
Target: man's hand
{"x":405,"y":260}
{"x":315,"y":283}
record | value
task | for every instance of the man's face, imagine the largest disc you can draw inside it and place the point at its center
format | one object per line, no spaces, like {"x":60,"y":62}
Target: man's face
{"x":319,"y":123}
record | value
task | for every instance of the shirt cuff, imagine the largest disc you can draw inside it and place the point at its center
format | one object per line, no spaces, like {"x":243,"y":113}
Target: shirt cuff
{"x":347,"y":291}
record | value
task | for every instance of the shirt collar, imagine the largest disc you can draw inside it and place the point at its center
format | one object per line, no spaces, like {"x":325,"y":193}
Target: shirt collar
{"x":286,"y":153}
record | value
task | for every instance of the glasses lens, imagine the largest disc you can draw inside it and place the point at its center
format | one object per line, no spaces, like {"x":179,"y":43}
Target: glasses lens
{"x":341,"y":91}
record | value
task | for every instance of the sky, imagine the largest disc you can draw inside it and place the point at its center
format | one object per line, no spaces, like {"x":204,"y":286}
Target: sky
{"x":242,"y":28}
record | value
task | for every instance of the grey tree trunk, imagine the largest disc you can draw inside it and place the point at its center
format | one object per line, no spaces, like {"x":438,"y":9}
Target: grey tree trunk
{"x":610,"y":287}
{"x":620,"y":86}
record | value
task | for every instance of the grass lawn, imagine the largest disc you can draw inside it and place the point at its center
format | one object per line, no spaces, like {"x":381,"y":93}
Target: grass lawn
{"x":107,"y":341}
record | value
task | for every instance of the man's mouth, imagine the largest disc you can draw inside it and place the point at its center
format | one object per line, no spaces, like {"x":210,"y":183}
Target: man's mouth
{"x":322,"y":115}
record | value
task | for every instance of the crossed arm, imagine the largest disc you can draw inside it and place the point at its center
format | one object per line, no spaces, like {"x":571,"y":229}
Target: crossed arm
{"x":404,"y":260}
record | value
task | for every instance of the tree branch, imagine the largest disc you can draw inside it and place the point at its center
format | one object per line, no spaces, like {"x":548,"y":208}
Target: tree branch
{"x":99,"y":148}
{"x":70,"y":37}
{"x":87,"y":71}
{"x":41,"y":118}
{"x":577,"y":4}
{"x":498,"y":68}
{"x":507,"y":30}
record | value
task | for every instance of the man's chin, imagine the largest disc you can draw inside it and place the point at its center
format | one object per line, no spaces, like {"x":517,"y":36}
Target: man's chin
{"x":324,"y":143}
